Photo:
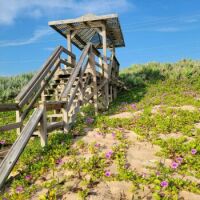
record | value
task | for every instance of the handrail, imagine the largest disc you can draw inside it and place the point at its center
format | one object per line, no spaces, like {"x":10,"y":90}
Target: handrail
{"x":8,"y":107}
{"x":76,"y":71}
{"x":11,"y":158}
{"x":24,"y":96}
{"x":35,"y":77}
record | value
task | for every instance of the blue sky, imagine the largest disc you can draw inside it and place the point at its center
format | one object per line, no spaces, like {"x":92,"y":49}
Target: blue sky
{"x":154,"y":30}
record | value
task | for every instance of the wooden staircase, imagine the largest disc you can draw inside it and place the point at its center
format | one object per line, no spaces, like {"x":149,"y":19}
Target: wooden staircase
{"x":54,"y":96}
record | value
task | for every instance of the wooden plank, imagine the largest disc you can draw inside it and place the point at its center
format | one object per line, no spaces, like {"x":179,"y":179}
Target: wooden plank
{"x":66,"y":63}
{"x":98,"y":65}
{"x":9,"y":127}
{"x":71,"y":99}
{"x":8,"y":107}
{"x":106,"y":75}
{"x":69,"y":53}
{"x":17,"y":148}
{"x":94,"y":76}
{"x":54,"y":105}
{"x":69,"y":45}
{"x":43,"y":125}
{"x":54,"y":125}
{"x":96,"y":51}
{"x":83,"y":19}
{"x":75,"y":72}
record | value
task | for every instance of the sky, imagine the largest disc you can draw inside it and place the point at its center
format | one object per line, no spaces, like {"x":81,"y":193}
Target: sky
{"x":154,"y":30}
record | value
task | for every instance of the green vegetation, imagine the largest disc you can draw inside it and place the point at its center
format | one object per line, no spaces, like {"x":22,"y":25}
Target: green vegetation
{"x":164,"y":102}
{"x":11,"y":86}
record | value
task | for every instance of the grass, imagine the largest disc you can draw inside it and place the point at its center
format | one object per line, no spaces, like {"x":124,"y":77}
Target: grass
{"x":162,"y":88}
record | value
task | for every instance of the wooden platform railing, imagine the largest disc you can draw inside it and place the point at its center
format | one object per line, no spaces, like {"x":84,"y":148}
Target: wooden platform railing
{"x":85,"y":84}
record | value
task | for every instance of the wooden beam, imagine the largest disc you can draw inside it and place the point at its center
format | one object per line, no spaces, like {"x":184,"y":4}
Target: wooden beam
{"x":9,"y":127}
{"x":94,"y":76}
{"x":8,"y":107}
{"x":69,"y":45}
{"x":55,"y":125}
{"x":75,"y":72}
{"x":106,"y":77}
{"x":12,"y":156}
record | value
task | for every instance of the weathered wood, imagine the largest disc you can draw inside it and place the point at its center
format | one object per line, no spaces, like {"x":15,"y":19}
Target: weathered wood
{"x":41,"y":89}
{"x":37,"y":83}
{"x":12,"y":156}
{"x":8,"y":107}
{"x":43,"y":125}
{"x":65,"y":118}
{"x":94,"y":76}
{"x":69,"y":46}
{"x":71,"y":99}
{"x":54,"y":105}
{"x":18,"y":120}
{"x":9,"y":127}
{"x":35,"y":78}
{"x":66,"y":63}
{"x":69,"y":53}
{"x":54,"y":125}
{"x":75,"y":72}
{"x":106,"y":75}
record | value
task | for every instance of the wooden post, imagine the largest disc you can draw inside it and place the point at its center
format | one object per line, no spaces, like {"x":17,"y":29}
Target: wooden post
{"x":65,"y":118}
{"x":69,"y":46}
{"x":18,"y":119}
{"x":106,"y":87}
{"x":94,"y":76}
{"x":43,"y":125}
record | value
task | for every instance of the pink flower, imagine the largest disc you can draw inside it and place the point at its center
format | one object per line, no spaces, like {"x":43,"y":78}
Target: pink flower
{"x":164,"y":184}
{"x":157,"y":173}
{"x":109,"y":154}
{"x":2,"y":142}
{"x":28,"y":177}
{"x":144,"y":175}
{"x":133,"y":106}
{"x":89,"y":120}
{"x":179,"y":160}
{"x":193,"y":151}
{"x":97,"y":145}
{"x":107,"y":173}
{"x":59,"y":161}
{"x":126,"y":166}
{"x":174,"y":165}
{"x":19,"y":189}
{"x":113,"y":134}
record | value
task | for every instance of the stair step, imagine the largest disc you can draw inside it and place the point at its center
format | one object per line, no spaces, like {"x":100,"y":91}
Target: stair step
{"x":68,"y":70}
{"x":55,"y":116}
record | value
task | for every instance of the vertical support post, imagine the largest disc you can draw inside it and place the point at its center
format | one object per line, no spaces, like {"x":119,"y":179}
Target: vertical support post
{"x":81,"y":88}
{"x":111,"y":93}
{"x":65,"y":118}
{"x":43,"y":125}
{"x":106,"y":87}
{"x":69,"y":46}
{"x":18,"y":119}
{"x":94,"y":76}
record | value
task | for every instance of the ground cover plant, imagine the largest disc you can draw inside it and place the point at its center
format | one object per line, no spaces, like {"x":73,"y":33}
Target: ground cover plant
{"x":146,"y":146}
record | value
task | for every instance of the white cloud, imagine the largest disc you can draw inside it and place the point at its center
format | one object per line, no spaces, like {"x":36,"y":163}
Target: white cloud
{"x":191,"y":20}
{"x":10,"y":10}
{"x":37,"y":35}
{"x":168,"y":29}
{"x":49,"y":48}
